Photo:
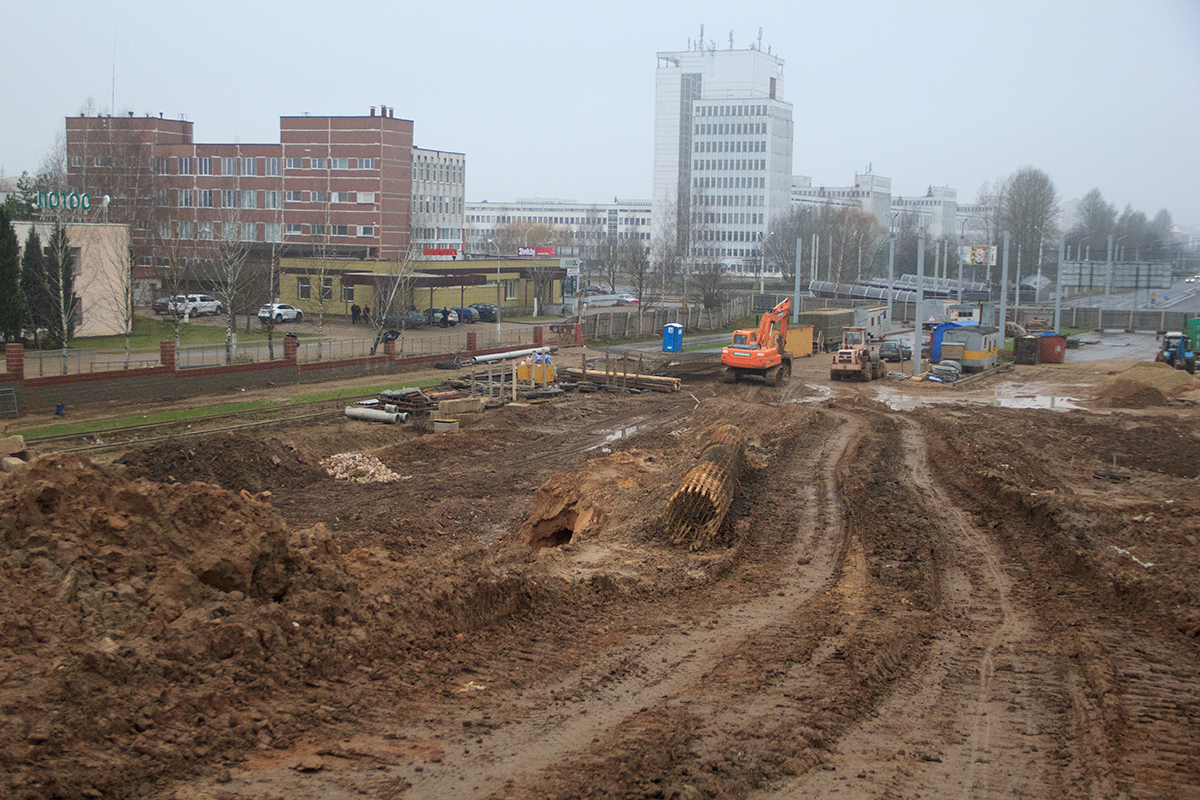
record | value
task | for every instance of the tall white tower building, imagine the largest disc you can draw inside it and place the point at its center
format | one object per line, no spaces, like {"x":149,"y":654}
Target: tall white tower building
{"x":722,"y":153}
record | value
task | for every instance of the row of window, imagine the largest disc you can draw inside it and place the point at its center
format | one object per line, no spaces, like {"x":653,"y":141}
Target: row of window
{"x":304,"y":289}
{"x":735,"y":146}
{"x":438,"y":234}
{"x":438,"y":173}
{"x":712,"y":218}
{"x":438,"y":205}
{"x":730,"y":183}
{"x":732,"y":111}
{"x":245,"y":166}
{"x":729,"y":200}
{"x":731,"y":129}
{"x":250,"y":198}
{"x":204,"y":230}
{"x":724,"y":164}
{"x":503,"y":219}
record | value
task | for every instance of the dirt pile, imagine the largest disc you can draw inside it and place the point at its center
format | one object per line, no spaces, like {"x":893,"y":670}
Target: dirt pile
{"x":1126,"y":393}
{"x":232,"y":460}
{"x":147,"y":629}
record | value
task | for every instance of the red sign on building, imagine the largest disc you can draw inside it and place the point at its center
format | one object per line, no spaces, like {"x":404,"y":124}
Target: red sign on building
{"x":439,"y":251}
{"x":536,"y":252}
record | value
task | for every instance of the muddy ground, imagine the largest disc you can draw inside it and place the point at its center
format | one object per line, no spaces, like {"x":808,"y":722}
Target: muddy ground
{"x":952,"y":599}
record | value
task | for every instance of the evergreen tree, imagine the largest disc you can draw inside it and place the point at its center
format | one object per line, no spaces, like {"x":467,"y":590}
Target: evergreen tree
{"x":60,"y":286}
{"x":33,"y":286}
{"x":11,"y":299}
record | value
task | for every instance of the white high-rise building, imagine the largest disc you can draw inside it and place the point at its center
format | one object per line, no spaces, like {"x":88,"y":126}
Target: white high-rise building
{"x":722,"y":153}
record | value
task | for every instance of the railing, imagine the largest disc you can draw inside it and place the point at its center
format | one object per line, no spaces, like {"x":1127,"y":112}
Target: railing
{"x":214,"y":355}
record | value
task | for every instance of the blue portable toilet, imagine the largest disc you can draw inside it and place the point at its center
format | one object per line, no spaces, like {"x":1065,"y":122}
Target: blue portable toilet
{"x":672,"y":337}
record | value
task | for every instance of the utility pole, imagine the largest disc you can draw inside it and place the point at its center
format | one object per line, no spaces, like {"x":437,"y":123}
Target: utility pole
{"x":1062,"y":250}
{"x":1108,"y":274}
{"x":920,"y":301}
{"x":891,"y":272}
{"x":796,"y":289}
{"x":1004,"y":293}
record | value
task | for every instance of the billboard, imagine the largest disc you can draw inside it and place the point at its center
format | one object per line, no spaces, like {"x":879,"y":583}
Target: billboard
{"x":439,"y":251}
{"x":536,"y":252}
{"x":980,"y":254}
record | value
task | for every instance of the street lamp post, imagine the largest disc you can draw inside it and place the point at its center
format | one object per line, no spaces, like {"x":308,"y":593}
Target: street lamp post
{"x":891,"y":289}
{"x":962,"y":244}
{"x":762,"y":257}
{"x":499,"y":343}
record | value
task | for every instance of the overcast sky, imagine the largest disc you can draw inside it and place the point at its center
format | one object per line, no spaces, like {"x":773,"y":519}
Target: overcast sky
{"x":556,"y":99}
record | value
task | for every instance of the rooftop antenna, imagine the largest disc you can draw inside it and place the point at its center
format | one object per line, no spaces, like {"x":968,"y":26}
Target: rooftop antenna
{"x":701,"y":39}
{"x":731,"y":40}
{"x":760,"y":38}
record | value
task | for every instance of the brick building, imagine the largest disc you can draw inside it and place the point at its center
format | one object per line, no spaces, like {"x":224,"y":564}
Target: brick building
{"x":340,"y":187}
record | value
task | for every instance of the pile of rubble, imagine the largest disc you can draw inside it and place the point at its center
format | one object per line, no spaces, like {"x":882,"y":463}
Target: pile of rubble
{"x":360,"y":468}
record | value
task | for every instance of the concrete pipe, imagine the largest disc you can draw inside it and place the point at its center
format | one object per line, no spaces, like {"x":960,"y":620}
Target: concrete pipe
{"x":510,"y":354}
{"x":375,"y":415}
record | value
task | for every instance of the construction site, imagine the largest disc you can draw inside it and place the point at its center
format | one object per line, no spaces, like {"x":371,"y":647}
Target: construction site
{"x":617,"y":575}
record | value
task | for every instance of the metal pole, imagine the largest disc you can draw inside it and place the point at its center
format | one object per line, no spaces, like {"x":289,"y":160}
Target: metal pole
{"x":1017,"y":296}
{"x":1062,"y":250}
{"x":796,"y":289}
{"x":1108,"y":275}
{"x":891,"y":272}
{"x":1004,"y":293}
{"x":920,"y":301}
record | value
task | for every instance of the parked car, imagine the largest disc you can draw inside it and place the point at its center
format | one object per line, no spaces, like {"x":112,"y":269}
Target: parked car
{"x":434,"y":316}
{"x":466,"y":314}
{"x":192,"y":305}
{"x":594,"y":289}
{"x":894,"y":351}
{"x":409,"y":320}
{"x":280,"y":312}
{"x":487,"y":311}
{"x":626,"y":300}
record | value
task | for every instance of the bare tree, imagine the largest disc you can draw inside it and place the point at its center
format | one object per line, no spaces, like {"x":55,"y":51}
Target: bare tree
{"x":609,"y":254}
{"x":636,"y":266}
{"x":393,"y":290}
{"x":1029,"y":212}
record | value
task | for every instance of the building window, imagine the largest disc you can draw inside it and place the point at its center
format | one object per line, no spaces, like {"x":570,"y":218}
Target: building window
{"x":204,"y":231}
{"x":228,"y":198}
{"x":510,"y":290}
{"x":339,"y":163}
{"x":164,"y":229}
{"x":187,"y":230}
{"x":348,"y":292}
{"x":326,"y":288}
{"x":271,"y":167}
{"x":317,"y":163}
{"x":229,"y":166}
{"x":185,"y":166}
{"x":161,"y":166}
{"x":249,"y":231}
{"x":339,"y":230}
{"x":366,"y":230}
{"x":229,"y":231}
{"x":248,"y":166}
{"x":187,"y":198}
{"x":162,"y":197}
{"x":366,"y":197}
{"x":293,"y":229}
{"x":319,"y":197}
{"x":366,"y":163}
{"x":294,"y":163}
{"x":273,"y":232}
{"x":303,"y":288}
{"x":76,"y":161}
{"x":204,"y":166}
{"x":249,"y":198}
{"x":205,"y":198}
{"x":270,"y":199}
{"x":294,"y":197}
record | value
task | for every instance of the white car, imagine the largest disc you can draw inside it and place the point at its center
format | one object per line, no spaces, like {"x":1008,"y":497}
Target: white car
{"x":193,"y":305}
{"x":280,"y":312}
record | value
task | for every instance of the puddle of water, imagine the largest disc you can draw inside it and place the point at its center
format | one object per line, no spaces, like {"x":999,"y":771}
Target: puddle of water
{"x":1000,"y":398}
{"x":614,"y":435}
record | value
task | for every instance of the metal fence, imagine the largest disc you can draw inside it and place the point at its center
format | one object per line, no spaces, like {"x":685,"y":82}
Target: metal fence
{"x":48,"y":363}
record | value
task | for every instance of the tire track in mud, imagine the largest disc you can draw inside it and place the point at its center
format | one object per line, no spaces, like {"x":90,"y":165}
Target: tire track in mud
{"x":615,"y":691}
{"x":981,"y":718}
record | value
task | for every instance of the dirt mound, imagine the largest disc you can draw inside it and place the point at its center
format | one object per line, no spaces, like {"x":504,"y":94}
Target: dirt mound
{"x":230,"y":460}
{"x":1126,"y":393}
{"x":148,"y":629}
{"x":1160,"y":376}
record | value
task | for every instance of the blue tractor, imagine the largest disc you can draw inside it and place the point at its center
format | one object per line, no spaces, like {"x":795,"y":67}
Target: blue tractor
{"x":1177,"y":351}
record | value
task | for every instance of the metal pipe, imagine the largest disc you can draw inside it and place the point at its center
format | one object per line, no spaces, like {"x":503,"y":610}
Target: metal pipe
{"x":510,"y":354}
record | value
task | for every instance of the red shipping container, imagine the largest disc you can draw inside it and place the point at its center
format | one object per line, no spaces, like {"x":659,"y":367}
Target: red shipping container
{"x":1054,"y":349}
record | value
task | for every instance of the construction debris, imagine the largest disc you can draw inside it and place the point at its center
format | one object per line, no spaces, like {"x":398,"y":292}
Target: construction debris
{"x":359,"y":468}
{"x":632,"y":380}
{"x":698,"y":507}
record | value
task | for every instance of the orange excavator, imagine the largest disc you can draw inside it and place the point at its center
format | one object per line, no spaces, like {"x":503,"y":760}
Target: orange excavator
{"x":761,"y":352}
